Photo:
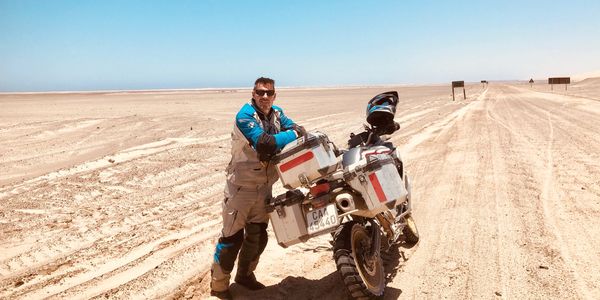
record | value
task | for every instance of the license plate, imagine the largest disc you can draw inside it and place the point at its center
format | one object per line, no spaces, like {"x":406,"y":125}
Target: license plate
{"x":322,"y":218}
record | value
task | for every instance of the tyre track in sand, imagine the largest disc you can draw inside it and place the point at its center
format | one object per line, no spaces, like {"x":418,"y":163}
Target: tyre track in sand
{"x":61,"y":251}
{"x":443,"y":198}
{"x":567,"y":176}
{"x":458,"y":187}
{"x":548,"y":191}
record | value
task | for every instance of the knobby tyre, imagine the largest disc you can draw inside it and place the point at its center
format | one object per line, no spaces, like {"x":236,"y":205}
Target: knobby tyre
{"x":411,"y":234}
{"x":362,"y":275}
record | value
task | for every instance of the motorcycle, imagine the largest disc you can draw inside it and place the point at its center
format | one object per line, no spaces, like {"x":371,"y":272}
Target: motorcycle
{"x":361,"y":196}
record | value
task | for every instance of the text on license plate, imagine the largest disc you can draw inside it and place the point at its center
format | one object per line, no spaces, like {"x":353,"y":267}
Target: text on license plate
{"x":322,"y":218}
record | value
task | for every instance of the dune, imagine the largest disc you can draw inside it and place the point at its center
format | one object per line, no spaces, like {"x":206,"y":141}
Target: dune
{"x":586,"y":75}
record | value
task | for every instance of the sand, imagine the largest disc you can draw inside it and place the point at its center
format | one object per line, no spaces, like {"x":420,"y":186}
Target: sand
{"x":118,"y":195}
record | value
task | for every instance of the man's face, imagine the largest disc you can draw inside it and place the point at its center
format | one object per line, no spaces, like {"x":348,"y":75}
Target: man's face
{"x":264,"y":95}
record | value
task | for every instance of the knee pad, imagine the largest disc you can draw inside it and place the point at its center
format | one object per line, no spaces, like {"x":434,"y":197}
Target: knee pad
{"x":227,"y":250}
{"x":237,"y":238}
{"x":258,"y":232}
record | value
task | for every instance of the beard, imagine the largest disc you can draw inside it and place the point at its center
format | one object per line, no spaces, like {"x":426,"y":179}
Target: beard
{"x":264,"y":106}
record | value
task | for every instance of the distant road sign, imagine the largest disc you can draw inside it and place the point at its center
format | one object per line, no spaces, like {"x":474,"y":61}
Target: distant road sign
{"x":484,"y":81}
{"x":531,"y":80}
{"x":458,"y":84}
{"x":559,"y":80}
{"x":461,"y":84}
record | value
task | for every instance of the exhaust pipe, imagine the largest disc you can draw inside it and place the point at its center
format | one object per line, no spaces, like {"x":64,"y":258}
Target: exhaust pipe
{"x":345,"y":202}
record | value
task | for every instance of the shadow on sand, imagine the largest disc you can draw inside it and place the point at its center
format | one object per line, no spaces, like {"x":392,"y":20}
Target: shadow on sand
{"x":328,"y":287}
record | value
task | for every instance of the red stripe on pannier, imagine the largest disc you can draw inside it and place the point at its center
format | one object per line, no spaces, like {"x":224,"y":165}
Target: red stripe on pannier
{"x":377,"y":187}
{"x":296,"y":161}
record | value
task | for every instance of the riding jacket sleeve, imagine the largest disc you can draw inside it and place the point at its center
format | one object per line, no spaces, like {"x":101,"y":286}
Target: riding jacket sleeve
{"x":248,"y":124}
{"x":286,"y":123}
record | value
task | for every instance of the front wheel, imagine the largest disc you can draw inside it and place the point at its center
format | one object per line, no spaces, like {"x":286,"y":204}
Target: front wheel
{"x":410,"y":231}
{"x":362,"y":274}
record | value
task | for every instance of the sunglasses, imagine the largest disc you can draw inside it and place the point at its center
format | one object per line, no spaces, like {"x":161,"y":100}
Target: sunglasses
{"x":263,"y":92}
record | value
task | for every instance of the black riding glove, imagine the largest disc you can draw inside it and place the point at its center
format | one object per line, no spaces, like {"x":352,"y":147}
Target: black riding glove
{"x":266,"y":147}
{"x":299,"y":130}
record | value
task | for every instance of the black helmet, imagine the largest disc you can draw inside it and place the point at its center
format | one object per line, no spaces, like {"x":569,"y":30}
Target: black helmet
{"x":382,"y":108}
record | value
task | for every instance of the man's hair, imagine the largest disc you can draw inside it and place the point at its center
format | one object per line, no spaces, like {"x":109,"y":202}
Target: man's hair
{"x":265,"y":81}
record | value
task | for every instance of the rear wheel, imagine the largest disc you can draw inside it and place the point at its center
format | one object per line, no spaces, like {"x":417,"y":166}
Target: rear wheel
{"x":411,"y":234}
{"x":362,"y":274}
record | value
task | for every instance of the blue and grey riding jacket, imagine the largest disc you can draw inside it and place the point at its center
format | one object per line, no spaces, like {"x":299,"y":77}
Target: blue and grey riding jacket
{"x":256,"y":137}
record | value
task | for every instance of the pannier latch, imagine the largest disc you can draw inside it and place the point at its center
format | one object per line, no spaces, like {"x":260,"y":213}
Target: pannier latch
{"x":362,"y":179}
{"x":280,"y":211}
{"x":303,"y":180}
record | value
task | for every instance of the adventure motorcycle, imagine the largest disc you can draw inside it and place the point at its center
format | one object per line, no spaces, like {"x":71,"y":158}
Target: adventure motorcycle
{"x":361,"y":196}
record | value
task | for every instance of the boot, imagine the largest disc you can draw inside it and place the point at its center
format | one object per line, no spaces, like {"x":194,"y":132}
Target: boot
{"x":219,"y":284}
{"x":221,"y":295}
{"x":224,"y":258}
{"x":254,"y":244}
{"x":249,"y":281}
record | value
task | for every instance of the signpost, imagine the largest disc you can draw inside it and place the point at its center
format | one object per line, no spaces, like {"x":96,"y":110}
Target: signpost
{"x":456,"y":84}
{"x":559,"y":80}
{"x":531,"y":82}
{"x":484,"y":82}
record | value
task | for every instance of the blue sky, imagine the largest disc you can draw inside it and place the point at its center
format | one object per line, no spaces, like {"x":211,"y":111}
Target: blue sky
{"x":95,"y":45}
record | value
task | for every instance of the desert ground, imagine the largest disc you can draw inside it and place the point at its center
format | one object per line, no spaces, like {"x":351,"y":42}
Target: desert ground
{"x":112,"y":195}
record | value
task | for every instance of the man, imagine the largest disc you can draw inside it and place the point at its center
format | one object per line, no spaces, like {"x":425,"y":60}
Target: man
{"x":260,"y":131}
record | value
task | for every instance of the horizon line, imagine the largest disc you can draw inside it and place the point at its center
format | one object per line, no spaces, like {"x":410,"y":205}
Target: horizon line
{"x":237,"y":88}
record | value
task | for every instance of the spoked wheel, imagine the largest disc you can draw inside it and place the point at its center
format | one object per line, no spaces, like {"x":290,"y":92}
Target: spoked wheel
{"x":410,"y":231}
{"x":363,"y":274}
